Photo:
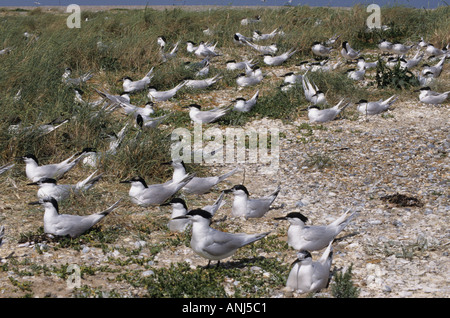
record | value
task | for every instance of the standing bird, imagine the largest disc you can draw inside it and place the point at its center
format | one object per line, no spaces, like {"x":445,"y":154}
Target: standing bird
{"x":317,"y":115}
{"x":160,"y":96}
{"x":213,"y":244}
{"x":348,"y":53}
{"x":401,"y":49}
{"x":198,"y":185}
{"x":35,"y":172}
{"x":68,"y":224}
{"x":48,"y":187}
{"x":146,"y":122}
{"x":315,"y":237}
{"x":434,"y":51}
{"x":244,"y":206}
{"x":130,"y":86}
{"x":155,"y":194}
{"x":307,"y":276}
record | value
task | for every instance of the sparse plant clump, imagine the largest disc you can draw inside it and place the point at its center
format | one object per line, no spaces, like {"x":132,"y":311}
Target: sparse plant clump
{"x":342,"y":286}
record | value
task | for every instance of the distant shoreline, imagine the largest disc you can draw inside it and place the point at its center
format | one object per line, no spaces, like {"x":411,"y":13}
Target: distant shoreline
{"x":155,"y":7}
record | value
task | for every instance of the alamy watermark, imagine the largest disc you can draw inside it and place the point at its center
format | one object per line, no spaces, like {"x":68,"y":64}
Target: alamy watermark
{"x":74,"y":19}
{"x":234,"y":145}
{"x":74,"y":279}
{"x":374,"y":20}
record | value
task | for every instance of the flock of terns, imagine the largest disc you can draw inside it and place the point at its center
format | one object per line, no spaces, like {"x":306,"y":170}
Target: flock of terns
{"x":306,"y":275}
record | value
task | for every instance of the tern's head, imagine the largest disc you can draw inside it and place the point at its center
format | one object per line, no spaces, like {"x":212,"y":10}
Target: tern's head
{"x":126,"y":79}
{"x":194,"y":106}
{"x":238,"y":189}
{"x":294,"y":218}
{"x":304,"y":255}
{"x":30,"y":158}
{"x":136,"y":181}
{"x":47,"y":202}
{"x":199,"y":215}
{"x":344,"y":45}
{"x":176,"y":203}
{"x":362,"y":101}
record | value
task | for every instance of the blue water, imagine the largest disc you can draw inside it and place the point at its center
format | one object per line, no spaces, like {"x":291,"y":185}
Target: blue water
{"x":335,"y":3}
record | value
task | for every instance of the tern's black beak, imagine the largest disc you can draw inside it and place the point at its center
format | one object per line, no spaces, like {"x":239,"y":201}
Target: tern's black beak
{"x":182,"y":217}
{"x":168,"y":163}
{"x":227,"y":191}
{"x":165,"y":204}
{"x":34,"y":203}
{"x":125,"y":181}
{"x":280,"y":218}
{"x":32,"y":183}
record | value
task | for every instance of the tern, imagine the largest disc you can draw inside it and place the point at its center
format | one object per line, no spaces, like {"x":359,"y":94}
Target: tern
{"x":75,"y":81}
{"x":203,"y":83}
{"x":263,"y":49}
{"x":207,"y":116}
{"x":307,"y":276}
{"x":400,"y":49}
{"x":348,"y":52}
{"x":179,"y":208}
{"x":374,"y":108}
{"x":428,"y":96}
{"x":233,"y":65}
{"x":213,"y":244}
{"x":203,"y":71}
{"x":292,"y":78}
{"x":385,"y":46}
{"x":35,"y":172}
{"x":362,"y":64}
{"x":241,"y":39}
{"x":321,"y":50}
{"x":244,"y":206}
{"x":432,"y":50}
{"x":6,"y":167}
{"x":146,"y":122}
{"x":412,"y":62}
{"x":356,"y":74}
{"x":167,"y":56}
{"x":312,"y":92}
{"x":317,"y":115}
{"x":130,"y":86}
{"x":247,"y":21}
{"x":203,"y":51}
{"x":435,"y":69}
{"x":48,"y":187}
{"x":79,"y":99}
{"x":243,"y":105}
{"x":271,"y":60}
{"x":155,"y":194}
{"x":92,"y":157}
{"x":250,"y":78}
{"x":160,"y":96}
{"x":68,"y":224}
{"x":315,"y":237}
{"x":258,"y":36}
{"x":198,"y":185}
{"x":134,"y":110}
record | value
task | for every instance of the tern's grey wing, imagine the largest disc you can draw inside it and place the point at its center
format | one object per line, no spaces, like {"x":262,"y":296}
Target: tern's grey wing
{"x":314,"y":233}
{"x":223,"y":243}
